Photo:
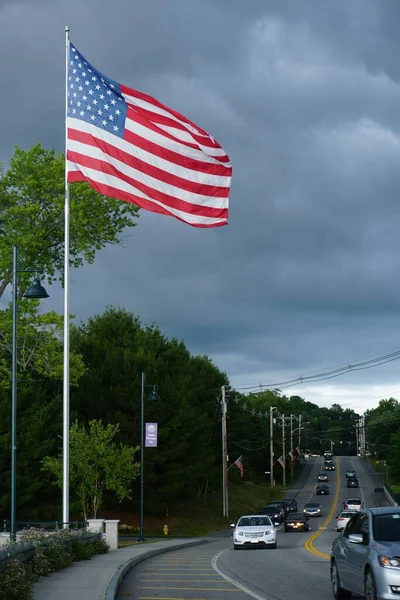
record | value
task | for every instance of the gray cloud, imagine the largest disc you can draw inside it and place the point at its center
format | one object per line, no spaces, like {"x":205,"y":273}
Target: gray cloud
{"x":304,"y":97}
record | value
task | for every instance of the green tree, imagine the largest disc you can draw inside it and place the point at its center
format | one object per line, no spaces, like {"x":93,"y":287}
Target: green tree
{"x":32,"y":216}
{"x":97,"y":465}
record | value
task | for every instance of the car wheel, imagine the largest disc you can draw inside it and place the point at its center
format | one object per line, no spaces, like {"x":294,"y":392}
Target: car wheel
{"x":286,"y":529}
{"x":370,"y":589}
{"x":307,"y":528}
{"x":338,"y":592}
{"x":236,"y":547}
{"x":274,"y":546}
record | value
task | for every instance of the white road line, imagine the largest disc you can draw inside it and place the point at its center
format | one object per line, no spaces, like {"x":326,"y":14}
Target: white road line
{"x":361,"y":490}
{"x":232,"y":581}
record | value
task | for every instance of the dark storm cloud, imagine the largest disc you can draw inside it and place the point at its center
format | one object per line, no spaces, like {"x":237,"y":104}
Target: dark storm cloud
{"x":305,"y":98}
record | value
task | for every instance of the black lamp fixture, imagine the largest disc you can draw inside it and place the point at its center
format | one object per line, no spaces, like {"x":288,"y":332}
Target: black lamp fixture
{"x":36,"y":290}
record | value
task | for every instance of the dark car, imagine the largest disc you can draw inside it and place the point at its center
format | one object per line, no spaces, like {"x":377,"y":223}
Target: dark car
{"x":279,"y":509}
{"x":329,"y":467}
{"x":322,"y":476}
{"x":297,"y":522}
{"x":352,"y":482}
{"x":291,"y":503}
{"x":322,"y":489}
{"x":273,"y":512}
{"x":351,"y":473}
{"x":280,"y":503}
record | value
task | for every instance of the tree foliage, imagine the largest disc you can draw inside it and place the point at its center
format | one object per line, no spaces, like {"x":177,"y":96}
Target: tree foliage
{"x":32,"y":216}
{"x":97,"y":464}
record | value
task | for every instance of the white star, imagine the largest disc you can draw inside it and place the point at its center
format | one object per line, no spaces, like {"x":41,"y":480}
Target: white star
{"x":104,"y":123}
{"x":112,"y":85}
{"x":90,"y":70}
{"x":73,"y":111}
{"x":87,"y":82}
{"x":91,"y":92}
{"x":74,"y":94}
{"x":115,"y":127}
{"x":78,"y":103}
{"x":94,"y":78}
{"x":102,"y":80}
{"x":97,"y":87}
{"x":83,"y":73}
{"x":88,"y":107}
{"x":77,"y":79}
{"x":84,"y":97}
{"x":113,"y":101}
{"x":71,"y":63}
{"x":73,"y":49}
{"x":92,"y":117}
{"x":80,"y":65}
{"x":109,"y":92}
{"x":94,"y":101}
{"x":74,"y":71}
{"x":117,"y":112}
{"x":101,"y":96}
{"x":111,"y":118}
{"x":106,"y":106}
{"x":100,"y":112}
{"x":82,"y":113}
{"x":69,"y":78}
{"x":71,"y":86}
{"x":80,"y":88}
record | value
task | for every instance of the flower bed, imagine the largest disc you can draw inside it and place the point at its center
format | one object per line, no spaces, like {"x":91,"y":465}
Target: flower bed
{"x":38,"y":554}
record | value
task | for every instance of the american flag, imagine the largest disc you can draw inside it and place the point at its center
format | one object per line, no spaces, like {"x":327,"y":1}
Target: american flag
{"x":238,"y":462}
{"x":281,"y":461}
{"x":298,"y":451}
{"x":129,"y":146}
{"x":291,"y":455}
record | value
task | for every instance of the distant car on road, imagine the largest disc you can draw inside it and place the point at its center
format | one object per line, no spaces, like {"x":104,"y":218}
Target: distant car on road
{"x":352,"y":482}
{"x":297,"y":522}
{"x":329,"y":466}
{"x":291,"y":503}
{"x":278,"y":507}
{"x":322,"y":489}
{"x":327,"y":454}
{"x":351,"y":473}
{"x":344,"y":518}
{"x":254,"y":530}
{"x":282,"y":504}
{"x":322,"y":476}
{"x":274,"y":513}
{"x":353,"y":504}
{"x":312,"y":509}
{"x":365,"y":558}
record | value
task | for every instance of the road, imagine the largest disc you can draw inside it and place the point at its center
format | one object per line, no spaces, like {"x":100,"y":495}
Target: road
{"x":299,"y":568}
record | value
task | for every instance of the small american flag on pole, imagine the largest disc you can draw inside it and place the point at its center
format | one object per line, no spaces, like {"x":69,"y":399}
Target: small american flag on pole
{"x":291,"y":455}
{"x":281,"y":461}
{"x":238,"y":462}
{"x":129,"y":146}
{"x":298,"y":450}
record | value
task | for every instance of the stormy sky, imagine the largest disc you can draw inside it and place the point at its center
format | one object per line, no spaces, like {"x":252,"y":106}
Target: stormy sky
{"x":305,"y":98}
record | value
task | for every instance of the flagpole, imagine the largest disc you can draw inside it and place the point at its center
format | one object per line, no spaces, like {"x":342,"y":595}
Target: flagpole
{"x":65,"y":501}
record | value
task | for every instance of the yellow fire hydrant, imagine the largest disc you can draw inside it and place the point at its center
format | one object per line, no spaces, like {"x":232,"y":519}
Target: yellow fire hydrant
{"x":165,"y":529}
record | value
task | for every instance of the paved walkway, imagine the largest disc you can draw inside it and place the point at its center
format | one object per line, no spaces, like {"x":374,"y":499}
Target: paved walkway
{"x":89,"y":579}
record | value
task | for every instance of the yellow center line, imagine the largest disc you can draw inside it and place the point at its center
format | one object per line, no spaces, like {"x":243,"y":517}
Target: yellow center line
{"x":195,"y":589}
{"x":309,"y":545}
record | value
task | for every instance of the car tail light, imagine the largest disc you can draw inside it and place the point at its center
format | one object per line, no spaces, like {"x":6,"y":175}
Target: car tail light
{"x":341,"y":519}
{"x":345,"y":505}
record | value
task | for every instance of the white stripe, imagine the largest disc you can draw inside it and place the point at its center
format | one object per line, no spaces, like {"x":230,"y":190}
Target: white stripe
{"x":184,"y":136}
{"x":160,"y":140}
{"x":133,"y":101}
{"x":233,"y":581}
{"x":172,"y":190}
{"x":169,"y":144}
{"x":118,"y":184}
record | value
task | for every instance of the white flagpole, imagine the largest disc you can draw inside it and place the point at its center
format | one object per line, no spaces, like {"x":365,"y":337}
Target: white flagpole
{"x":65,"y":510}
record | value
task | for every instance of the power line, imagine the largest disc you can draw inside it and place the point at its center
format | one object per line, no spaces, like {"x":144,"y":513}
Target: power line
{"x":330,"y":374}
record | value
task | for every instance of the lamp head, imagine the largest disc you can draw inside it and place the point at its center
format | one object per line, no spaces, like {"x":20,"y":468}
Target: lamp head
{"x":36,"y":290}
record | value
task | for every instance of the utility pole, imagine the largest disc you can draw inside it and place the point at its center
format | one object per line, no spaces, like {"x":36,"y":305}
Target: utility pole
{"x":284,"y":450}
{"x":331,"y":446}
{"x":362,"y":436}
{"x":271,"y":445}
{"x":300,"y":433}
{"x":357,"y":437}
{"x":225,"y":512}
{"x":291,"y":447}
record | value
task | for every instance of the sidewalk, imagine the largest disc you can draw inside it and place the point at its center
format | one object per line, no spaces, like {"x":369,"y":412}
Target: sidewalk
{"x":90,"y":579}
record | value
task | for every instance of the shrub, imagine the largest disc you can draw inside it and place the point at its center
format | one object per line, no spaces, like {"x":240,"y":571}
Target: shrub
{"x":100,"y":547}
{"x":16,"y":582}
{"x":82,"y":551}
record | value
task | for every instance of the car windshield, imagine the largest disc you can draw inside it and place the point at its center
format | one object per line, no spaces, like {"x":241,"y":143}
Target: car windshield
{"x":387,"y":527}
{"x":353,"y":501}
{"x":347,"y":515}
{"x":312,"y":505}
{"x":254,"y":522}
{"x":295,"y":517}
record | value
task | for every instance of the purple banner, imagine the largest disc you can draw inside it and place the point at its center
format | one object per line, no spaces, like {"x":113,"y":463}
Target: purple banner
{"x":151,"y":435}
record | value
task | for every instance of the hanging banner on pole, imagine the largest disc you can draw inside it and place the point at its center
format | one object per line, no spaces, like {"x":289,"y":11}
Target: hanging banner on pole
{"x":151,"y":435}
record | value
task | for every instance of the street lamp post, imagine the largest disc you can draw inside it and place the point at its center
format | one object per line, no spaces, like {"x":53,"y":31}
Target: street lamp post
{"x":36,"y":290}
{"x":153,"y":396}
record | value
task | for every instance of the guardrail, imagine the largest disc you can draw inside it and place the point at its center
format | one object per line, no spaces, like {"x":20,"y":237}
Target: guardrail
{"x":26,"y":550}
{"x":390,"y":494}
{"x":46,"y":525}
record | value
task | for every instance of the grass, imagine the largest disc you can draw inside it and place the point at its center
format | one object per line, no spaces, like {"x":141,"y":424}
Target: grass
{"x":204,"y":515}
{"x":386,"y":474}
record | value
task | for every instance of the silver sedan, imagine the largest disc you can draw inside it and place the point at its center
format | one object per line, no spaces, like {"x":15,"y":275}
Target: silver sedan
{"x":365,"y":558}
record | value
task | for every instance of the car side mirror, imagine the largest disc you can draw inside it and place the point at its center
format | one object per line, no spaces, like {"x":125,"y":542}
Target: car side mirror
{"x":233,"y":525}
{"x":356,"y":538}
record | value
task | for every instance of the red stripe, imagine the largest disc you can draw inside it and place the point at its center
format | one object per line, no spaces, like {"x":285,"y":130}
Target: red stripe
{"x":135,"y":117}
{"x":170,"y":122}
{"x":151,"y":100}
{"x":144,"y":167}
{"x":111,"y":192}
{"x":166,"y":199}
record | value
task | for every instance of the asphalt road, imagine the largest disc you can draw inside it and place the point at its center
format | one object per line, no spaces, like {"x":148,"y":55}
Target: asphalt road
{"x":298,"y":568}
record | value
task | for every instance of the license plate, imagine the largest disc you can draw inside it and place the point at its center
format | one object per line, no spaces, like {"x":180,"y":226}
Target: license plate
{"x":254,"y":541}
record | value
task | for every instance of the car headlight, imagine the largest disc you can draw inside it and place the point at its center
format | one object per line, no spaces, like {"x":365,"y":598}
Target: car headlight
{"x":276,"y":516}
{"x":386,"y":561}
{"x":268,"y":532}
{"x":239,"y":533}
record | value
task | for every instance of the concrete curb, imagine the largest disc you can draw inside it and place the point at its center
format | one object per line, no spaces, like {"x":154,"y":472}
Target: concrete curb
{"x":120,"y":573}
